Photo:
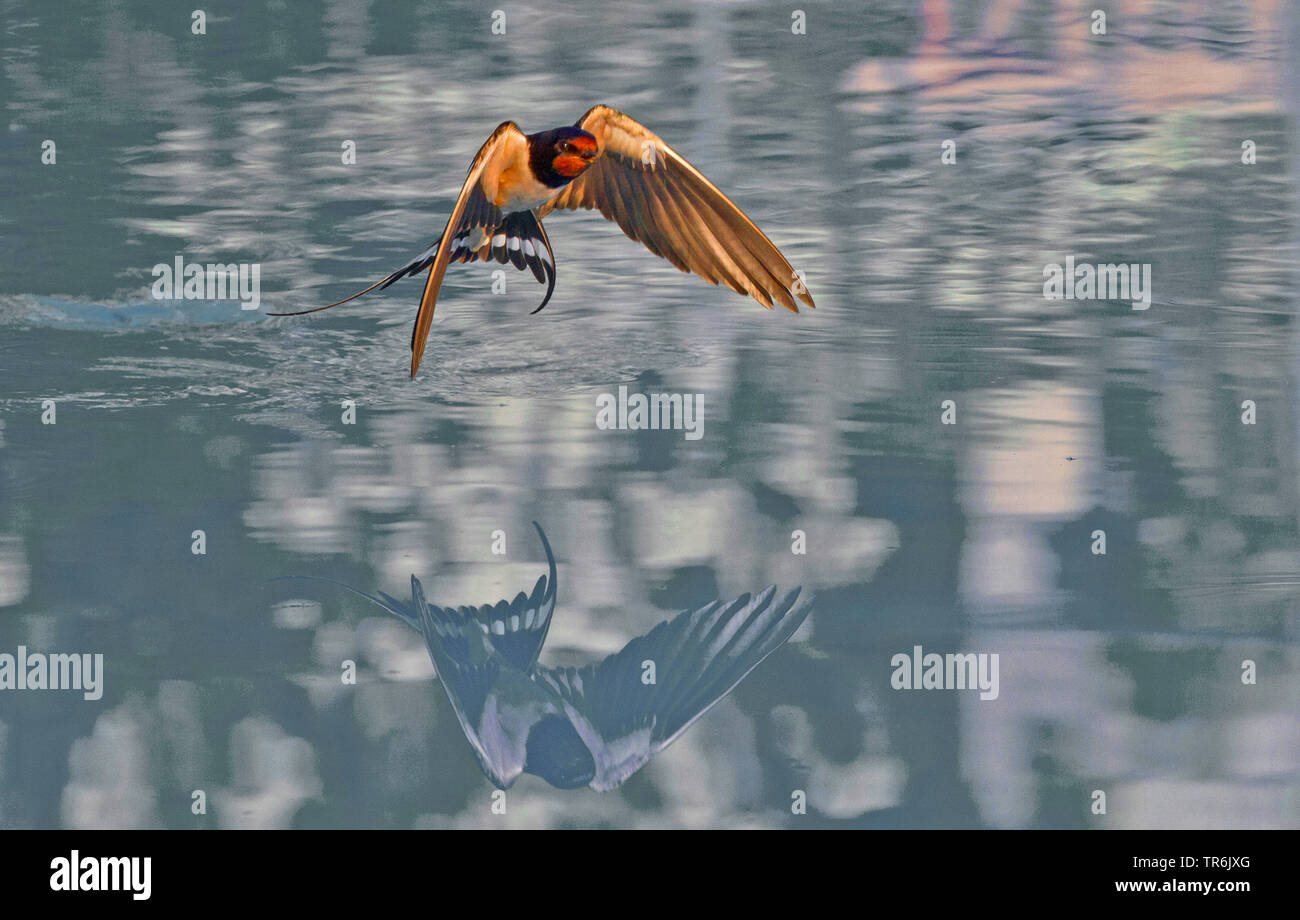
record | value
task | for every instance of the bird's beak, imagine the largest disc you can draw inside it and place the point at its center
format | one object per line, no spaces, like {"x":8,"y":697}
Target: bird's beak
{"x":589,"y":155}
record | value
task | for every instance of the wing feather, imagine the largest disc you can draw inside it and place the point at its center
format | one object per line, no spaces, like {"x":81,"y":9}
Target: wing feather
{"x":669,"y":206}
{"x":699,"y":656}
{"x":481,"y":213}
{"x":468,"y":668}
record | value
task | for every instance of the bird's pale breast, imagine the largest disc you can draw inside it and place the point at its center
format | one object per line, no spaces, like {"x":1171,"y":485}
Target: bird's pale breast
{"x":518,"y":190}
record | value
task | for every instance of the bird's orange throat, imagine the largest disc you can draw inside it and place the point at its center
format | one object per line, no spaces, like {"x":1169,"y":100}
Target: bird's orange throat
{"x":570,"y":167}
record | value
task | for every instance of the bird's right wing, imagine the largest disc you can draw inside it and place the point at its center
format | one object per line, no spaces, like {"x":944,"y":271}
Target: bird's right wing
{"x":471,"y":212}
{"x":472,"y":209}
{"x":698,"y":657}
{"x":477,"y":231}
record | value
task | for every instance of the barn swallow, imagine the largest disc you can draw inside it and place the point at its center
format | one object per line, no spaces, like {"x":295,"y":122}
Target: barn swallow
{"x":596,"y":725}
{"x":610,"y":162}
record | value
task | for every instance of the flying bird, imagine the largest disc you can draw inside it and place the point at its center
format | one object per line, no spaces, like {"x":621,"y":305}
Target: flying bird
{"x":596,"y":725}
{"x":610,"y":162}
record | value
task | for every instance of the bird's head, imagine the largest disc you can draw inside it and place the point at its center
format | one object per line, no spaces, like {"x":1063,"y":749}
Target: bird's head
{"x":557,"y":754}
{"x":564,"y":153}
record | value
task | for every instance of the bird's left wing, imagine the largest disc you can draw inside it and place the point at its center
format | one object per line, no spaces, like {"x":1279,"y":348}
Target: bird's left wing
{"x":698,"y":657}
{"x":661,"y":200}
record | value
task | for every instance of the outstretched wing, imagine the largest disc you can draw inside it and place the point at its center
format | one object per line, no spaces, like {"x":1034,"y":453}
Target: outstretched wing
{"x":468,"y":668}
{"x":518,"y":629}
{"x":699,"y":656}
{"x":661,"y":200}
{"x":471,"y":211}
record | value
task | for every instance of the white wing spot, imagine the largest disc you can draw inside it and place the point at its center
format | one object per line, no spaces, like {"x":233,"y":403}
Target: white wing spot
{"x":514,"y":622}
{"x":514,"y":244}
{"x":498,"y":241}
{"x":499,"y":627}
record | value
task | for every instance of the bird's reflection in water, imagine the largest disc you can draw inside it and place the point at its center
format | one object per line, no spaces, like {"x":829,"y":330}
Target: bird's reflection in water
{"x":595,"y":725}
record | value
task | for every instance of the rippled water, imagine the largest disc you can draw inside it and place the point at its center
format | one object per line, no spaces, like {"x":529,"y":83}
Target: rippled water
{"x":1119,"y":672}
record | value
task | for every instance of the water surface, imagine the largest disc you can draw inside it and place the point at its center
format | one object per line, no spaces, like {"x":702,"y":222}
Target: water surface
{"x":1119,"y":673}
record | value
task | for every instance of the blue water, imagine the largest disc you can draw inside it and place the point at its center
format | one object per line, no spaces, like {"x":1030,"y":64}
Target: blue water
{"x":1119,"y":673}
